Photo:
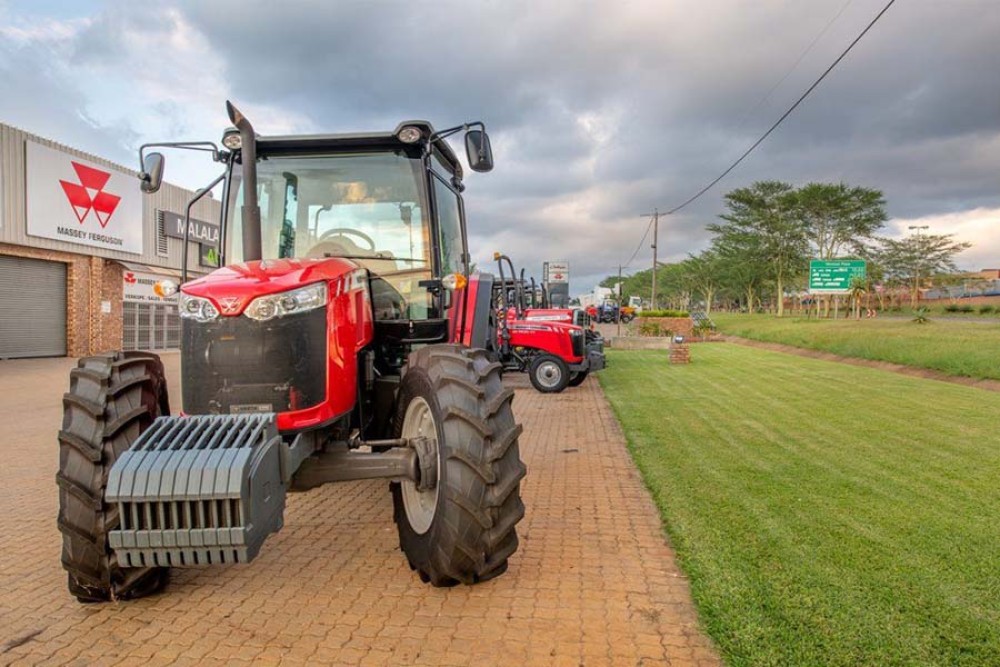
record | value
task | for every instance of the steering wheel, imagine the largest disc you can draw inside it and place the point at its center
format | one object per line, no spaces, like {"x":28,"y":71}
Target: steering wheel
{"x":346,"y":231}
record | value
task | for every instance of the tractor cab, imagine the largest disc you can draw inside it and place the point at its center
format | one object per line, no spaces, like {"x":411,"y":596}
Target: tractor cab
{"x":393,"y":208}
{"x":377,"y":215}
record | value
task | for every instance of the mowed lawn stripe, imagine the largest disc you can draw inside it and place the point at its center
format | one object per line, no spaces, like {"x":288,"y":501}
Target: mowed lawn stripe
{"x":826,"y":514}
{"x":957,"y":347}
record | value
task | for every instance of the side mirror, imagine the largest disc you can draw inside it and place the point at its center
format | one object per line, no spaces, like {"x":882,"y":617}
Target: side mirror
{"x":152,"y":173}
{"x":478,"y":151}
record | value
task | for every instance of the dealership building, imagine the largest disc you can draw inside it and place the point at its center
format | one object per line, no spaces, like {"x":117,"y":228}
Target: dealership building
{"x":80,"y":250}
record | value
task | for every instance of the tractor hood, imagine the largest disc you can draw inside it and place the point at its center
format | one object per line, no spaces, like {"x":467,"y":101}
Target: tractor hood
{"x":239,"y":284}
{"x":549,"y":314}
{"x":543,"y":325}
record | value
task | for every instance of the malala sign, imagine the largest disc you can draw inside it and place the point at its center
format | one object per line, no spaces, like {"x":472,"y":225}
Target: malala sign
{"x":77,"y":201}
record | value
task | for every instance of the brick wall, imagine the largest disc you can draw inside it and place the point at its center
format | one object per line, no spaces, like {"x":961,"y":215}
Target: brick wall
{"x":678,"y":326}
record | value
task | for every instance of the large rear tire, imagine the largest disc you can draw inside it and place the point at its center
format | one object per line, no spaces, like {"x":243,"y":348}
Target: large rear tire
{"x":462,"y":529}
{"x":112,"y":399}
{"x":576,"y":379}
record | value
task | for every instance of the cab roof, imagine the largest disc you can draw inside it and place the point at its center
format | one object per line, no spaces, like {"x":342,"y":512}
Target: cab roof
{"x":361,"y":141}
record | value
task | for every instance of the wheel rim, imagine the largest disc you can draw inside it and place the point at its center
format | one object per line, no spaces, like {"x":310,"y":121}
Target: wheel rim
{"x":548,"y":374}
{"x":420,"y":505}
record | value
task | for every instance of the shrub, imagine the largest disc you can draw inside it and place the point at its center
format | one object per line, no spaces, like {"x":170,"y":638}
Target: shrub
{"x":653,"y":329}
{"x":702,"y":329}
{"x":986,"y":310}
{"x":951,"y":308}
{"x":920,"y":316}
{"x":966,"y":309}
{"x":664,"y":313}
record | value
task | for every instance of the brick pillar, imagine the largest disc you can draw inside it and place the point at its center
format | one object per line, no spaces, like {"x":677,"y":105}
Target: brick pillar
{"x":680,"y":353}
{"x":94,"y":319}
{"x":112,"y":292}
{"x":78,"y":281}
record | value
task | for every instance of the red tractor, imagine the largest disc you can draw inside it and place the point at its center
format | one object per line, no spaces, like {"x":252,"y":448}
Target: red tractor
{"x":343,"y":339}
{"x":543,"y":342}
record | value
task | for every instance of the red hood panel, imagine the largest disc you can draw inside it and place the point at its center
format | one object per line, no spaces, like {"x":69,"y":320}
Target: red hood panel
{"x":239,"y":284}
{"x":550,"y":314}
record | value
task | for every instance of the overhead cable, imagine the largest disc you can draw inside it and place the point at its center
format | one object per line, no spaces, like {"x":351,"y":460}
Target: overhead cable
{"x":786,"y":114}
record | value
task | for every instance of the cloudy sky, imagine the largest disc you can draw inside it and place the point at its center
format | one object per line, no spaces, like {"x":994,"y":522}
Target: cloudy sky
{"x":599,"y":110}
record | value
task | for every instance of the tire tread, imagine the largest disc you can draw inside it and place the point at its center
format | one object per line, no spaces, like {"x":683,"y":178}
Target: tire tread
{"x":484,"y":470}
{"x":112,"y":398}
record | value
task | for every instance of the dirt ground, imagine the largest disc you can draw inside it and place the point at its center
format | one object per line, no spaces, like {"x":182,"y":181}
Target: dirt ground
{"x":594,"y":582}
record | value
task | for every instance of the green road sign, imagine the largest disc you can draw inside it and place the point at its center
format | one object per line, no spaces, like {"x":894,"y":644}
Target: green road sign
{"x":834,"y":276}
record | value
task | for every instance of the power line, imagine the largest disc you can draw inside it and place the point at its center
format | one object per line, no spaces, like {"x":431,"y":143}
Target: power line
{"x":787,"y":113}
{"x":791,"y":69}
{"x":639,"y":247}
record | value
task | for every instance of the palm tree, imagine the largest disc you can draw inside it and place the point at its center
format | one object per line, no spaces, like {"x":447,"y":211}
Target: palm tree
{"x":858,"y":290}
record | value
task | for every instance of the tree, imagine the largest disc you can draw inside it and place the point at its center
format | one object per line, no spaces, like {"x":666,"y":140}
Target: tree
{"x":839,"y":219}
{"x":859,"y":290}
{"x":761,"y":227}
{"x":702,"y":274}
{"x":913,"y":259}
{"x":743,"y":270}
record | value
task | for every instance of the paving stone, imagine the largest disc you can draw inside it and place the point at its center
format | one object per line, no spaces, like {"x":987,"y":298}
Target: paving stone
{"x":593,"y":582}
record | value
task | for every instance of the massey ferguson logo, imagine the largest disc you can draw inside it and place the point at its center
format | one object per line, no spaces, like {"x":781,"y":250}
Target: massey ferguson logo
{"x":130,"y":278}
{"x":230,"y":305}
{"x":89,"y":195}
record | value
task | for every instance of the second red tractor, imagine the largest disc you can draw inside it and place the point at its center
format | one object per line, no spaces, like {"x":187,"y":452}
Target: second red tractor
{"x":555,"y":346}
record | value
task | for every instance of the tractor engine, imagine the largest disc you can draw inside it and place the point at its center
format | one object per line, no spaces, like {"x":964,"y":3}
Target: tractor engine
{"x":237,"y":366}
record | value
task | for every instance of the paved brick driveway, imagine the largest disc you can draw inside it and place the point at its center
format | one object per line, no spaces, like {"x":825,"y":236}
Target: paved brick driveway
{"x":592,"y":584}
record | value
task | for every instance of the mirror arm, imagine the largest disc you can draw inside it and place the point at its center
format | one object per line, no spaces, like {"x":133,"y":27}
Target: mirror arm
{"x":218,"y":155}
{"x":447,"y":132}
{"x":187,"y":222}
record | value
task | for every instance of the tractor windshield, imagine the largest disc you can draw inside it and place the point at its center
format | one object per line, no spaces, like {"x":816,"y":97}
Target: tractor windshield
{"x":367,"y":206}
{"x":370,"y":207}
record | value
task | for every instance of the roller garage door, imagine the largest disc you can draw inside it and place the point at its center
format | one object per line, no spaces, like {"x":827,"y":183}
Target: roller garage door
{"x":32,"y":308}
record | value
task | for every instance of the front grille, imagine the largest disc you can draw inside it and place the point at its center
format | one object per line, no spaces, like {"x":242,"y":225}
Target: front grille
{"x":236,"y":365}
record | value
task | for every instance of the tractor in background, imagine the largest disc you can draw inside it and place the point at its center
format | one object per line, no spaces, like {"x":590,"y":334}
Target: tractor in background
{"x":342,"y":339}
{"x":545,"y":343}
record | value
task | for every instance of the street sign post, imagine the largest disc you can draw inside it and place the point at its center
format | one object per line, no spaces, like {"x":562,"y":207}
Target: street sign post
{"x":834,"y":276}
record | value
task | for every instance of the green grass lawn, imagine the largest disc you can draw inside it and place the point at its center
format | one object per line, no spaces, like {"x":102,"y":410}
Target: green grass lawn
{"x":957,"y":347}
{"x":826,"y":514}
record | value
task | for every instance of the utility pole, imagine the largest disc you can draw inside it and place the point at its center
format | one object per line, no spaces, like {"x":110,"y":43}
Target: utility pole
{"x":915,"y":297}
{"x":619,"y":300}
{"x":655,"y":215}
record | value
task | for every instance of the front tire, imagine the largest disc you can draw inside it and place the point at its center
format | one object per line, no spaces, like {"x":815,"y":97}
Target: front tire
{"x":112,"y":399}
{"x":463,"y":529}
{"x":548,"y":373}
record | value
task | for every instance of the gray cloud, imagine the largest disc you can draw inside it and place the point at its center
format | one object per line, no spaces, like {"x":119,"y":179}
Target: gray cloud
{"x":601,"y":110}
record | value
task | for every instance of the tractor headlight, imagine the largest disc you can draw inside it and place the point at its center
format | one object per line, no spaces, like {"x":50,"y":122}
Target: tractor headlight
{"x":196,"y":308}
{"x":409,"y":134}
{"x":287,"y":303}
{"x":232,"y":139}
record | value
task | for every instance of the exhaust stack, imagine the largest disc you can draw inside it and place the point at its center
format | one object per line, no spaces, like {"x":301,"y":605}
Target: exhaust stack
{"x":251,"y":208}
